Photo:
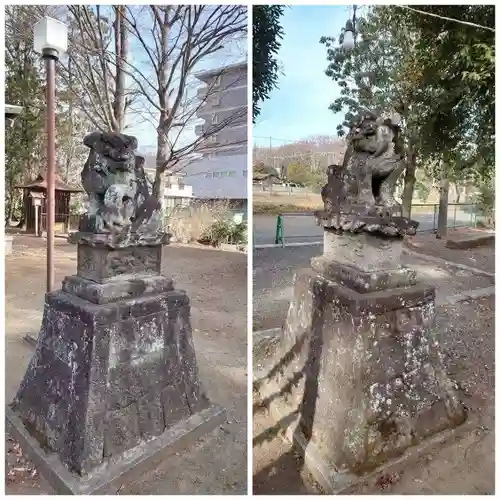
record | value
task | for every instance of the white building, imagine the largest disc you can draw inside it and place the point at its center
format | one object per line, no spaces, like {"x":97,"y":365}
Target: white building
{"x":175,"y":190}
{"x":221,"y":172}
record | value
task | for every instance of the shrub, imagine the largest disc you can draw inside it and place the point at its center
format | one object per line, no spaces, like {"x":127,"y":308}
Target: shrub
{"x":189,"y":224}
{"x":225,"y":231}
{"x":210,"y":223}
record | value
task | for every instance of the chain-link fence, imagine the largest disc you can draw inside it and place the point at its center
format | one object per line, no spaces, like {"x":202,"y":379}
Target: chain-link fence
{"x":300,"y":227}
{"x":459,"y":215}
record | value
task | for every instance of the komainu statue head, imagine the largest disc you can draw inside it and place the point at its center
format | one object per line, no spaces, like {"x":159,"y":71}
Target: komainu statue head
{"x":121,"y":203}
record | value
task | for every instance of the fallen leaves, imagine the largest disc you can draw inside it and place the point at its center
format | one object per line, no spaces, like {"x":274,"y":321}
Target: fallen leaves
{"x":19,"y":468}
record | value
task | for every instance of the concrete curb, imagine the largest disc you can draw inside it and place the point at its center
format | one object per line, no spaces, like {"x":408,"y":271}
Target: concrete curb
{"x":478,"y":293}
{"x":223,"y":248}
{"x":293,"y":244}
{"x":438,"y":260}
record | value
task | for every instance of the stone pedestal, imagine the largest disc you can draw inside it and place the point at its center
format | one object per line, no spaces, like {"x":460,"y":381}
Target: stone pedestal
{"x":114,"y":373}
{"x":358,"y":367}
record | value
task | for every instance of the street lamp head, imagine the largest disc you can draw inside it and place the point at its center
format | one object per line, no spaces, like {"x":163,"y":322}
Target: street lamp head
{"x":50,"y":37}
{"x":348,"y":42}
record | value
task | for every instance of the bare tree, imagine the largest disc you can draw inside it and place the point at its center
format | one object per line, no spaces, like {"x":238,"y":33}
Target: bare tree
{"x":179,"y":38}
{"x":95,"y":68}
{"x":139,"y":62}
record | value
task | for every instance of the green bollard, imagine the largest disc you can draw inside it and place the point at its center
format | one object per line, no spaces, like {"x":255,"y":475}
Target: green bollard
{"x":279,"y":231}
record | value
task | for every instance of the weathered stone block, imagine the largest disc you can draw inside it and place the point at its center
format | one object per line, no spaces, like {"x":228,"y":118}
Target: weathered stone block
{"x":175,"y":405}
{"x":121,"y":431}
{"x":469,"y":240}
{"x":105,"y":377}
{"x":113,"y":366}
{"x":101,"y":264}
{"x":362,"y":370}
{"x":128,"y":287}
{"x":363,"y":281}
{"x":363,"y":251}
{"x":151,"y":418}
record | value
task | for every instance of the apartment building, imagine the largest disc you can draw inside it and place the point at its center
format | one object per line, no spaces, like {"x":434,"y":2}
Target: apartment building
{"x":221,"y":170}
{"x":176,"y":192}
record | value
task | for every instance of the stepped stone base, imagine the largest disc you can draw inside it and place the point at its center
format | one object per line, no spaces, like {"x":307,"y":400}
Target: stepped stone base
{"x":113,"y":474}
{"x":359,"y":368}
{"x":114,"y":371}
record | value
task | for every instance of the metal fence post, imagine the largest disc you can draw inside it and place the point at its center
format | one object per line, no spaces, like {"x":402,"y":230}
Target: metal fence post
{"x":455,"y":217}
{"x":279,"y":231}
{"x":434,"y":219}
{"x":282,"y":231}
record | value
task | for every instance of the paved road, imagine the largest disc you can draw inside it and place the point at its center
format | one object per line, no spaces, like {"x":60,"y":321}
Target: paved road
{"x":302,"y":228}
{"x":273,"y":270}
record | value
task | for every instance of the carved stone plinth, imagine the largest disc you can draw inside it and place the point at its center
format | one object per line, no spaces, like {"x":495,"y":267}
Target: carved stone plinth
{"x":114,"y":372}
{"x":102,"y":264}
{"x":358,"y":367}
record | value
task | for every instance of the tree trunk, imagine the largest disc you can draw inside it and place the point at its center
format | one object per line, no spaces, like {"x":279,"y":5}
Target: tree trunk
{"x":158,"y":187}
{"x":162,"y":152}
{"x":443,"y":203}
{"x":409,"y":183}
{"x":457,"y":193}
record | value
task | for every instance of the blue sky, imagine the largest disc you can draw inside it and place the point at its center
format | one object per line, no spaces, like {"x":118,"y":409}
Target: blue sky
{"x":299,"y":107}
{"x":145,"y":130}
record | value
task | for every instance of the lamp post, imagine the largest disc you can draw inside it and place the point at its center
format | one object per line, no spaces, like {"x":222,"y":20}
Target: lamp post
{"x":349,"y":41}
{"x":50,"y":39}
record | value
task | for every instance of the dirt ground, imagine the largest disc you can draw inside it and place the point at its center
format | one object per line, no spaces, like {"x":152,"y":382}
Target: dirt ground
{"x":462,"y":466}
{"x":214,"y":464}
{"x":481,"y":257}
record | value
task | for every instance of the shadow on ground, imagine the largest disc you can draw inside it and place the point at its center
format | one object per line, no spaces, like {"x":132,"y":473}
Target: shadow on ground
{"x":305,"y":413}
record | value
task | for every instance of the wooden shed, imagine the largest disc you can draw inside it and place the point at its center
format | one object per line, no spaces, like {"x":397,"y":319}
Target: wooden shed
{"x":38,"y":189}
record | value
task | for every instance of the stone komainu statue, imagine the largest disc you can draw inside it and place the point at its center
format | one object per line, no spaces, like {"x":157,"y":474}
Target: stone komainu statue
{"x":372,"y":165}
{"x":120,"y":196}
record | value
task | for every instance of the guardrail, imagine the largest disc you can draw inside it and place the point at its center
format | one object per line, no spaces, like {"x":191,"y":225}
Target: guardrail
{"x":459,"y":215}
